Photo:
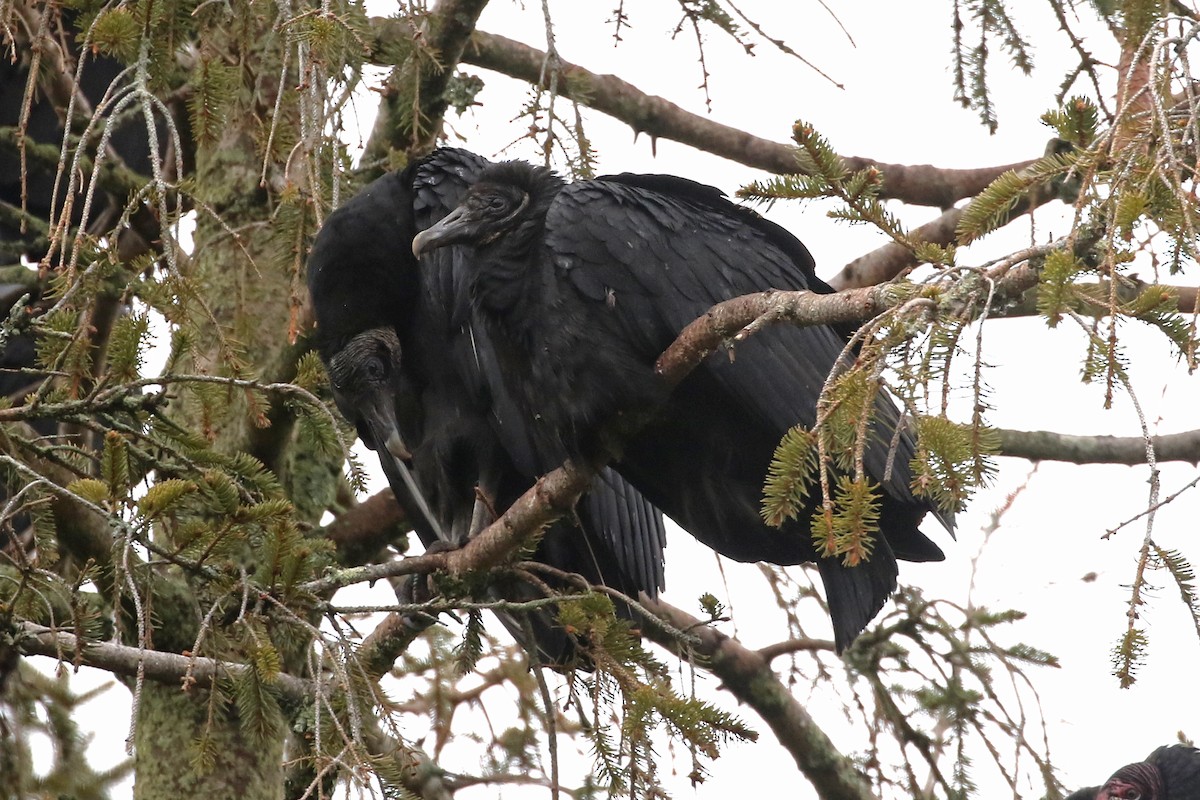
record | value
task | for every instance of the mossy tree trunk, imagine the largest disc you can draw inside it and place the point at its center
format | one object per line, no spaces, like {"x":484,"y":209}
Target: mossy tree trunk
{"x":189,"y":743}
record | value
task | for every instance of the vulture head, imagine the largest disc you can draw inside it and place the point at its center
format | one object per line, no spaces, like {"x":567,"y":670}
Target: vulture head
{"x":1140,"y":781}
{"x":506,"y":197}
{"x":371,"y":391}
{"x":364,"y":375}
{"x":1171,"y":772}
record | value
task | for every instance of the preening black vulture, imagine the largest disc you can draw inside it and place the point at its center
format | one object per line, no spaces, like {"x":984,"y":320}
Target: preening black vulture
{"x":582,"y":287}
{"x":405,"y":364}
{"x":1171,"y":772}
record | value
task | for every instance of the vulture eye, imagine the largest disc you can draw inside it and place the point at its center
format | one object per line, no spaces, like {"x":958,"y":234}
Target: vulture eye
{"x":374,"y":368}
{"x":1131,"y":793}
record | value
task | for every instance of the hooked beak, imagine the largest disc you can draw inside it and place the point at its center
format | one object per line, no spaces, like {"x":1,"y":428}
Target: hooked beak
{"x":379,"y":414}
{"x":411,"y":499}
{"x":448,"y":230}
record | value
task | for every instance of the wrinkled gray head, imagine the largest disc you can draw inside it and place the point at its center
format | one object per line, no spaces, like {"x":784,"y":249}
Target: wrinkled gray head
{"x":365,"y":375}
{"x":498,"y":203}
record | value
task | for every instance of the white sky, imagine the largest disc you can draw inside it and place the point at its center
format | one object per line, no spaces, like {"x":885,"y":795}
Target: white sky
{"x":897,"y":107}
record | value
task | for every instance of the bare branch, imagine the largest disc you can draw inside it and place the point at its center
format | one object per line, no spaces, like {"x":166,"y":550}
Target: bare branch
{"x":362,"y":531}
{"x":1048,"y":446}
{"x":789,"y":646}
{"x":659,"y":118}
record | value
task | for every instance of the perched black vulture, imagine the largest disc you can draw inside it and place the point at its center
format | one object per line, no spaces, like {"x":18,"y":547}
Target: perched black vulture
{"x":583,"y":286}
{"x":404,"y":362}
{"x":1171,"y":772}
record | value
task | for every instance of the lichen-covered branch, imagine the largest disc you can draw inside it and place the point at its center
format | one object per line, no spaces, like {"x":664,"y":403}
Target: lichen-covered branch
{"x":158,"y":666}
{"x":1048,"y":446}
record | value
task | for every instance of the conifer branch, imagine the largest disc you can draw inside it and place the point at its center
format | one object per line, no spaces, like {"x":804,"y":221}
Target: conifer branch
{"x":423,"y":778}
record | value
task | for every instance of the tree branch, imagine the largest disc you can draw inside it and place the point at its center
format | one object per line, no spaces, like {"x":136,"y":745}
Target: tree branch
{"x":553,"y":495}
{"x":450,"y":28}
{"x":748,"y":676}
{"x":410,"y":115}
{"x":883,"y":264}
{"x":159,"y":666}
{"x":1131,"y":450}
{"x":659,"y":118}
{"x":361,"y":532}
{"x":789,"y":646}
{"x":421,"y":776}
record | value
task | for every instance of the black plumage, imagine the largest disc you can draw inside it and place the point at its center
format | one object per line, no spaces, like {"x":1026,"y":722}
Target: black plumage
{"x":406,"y":366}
{"x":584,"y":285}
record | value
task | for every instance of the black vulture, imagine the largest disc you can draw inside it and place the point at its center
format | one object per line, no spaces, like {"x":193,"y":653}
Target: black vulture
{"x":404,"y":362}
{"x":583,"y":286}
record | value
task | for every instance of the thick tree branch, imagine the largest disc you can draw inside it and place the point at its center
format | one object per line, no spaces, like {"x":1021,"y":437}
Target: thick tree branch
{"x":1127,"y":290}
{"x":411,"y":114}
{"x":659,"y":118}
{"x":748,"y":676}
{"x":450,"y":28}
{"x":552,"y":496}
{"x":361,"y":532}
{"x":733,"y":320}
{"x":163,"y":667}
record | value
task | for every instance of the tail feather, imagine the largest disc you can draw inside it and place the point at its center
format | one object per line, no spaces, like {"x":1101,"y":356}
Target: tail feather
{"x":856,"y":594}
